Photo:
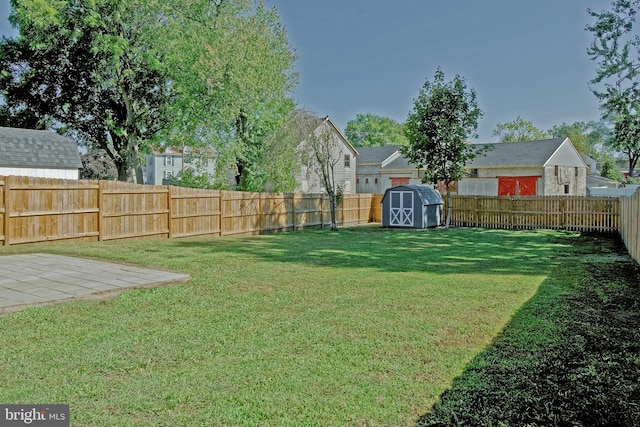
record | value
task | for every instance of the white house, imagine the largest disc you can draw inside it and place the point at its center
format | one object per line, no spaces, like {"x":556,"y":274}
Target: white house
{"x":161,"y":168}
{"x":309,"y":180}
{"x":38,"y":153}
{"x":547,"y":167}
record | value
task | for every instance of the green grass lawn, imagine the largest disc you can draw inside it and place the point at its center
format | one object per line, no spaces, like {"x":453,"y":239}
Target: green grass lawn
{"x":361,"y":327}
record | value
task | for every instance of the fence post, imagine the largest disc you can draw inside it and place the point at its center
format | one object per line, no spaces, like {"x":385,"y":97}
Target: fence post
{"x":169,"y":211}
{"x":7,"y":210}
{"x":261,"y":213}
{"x":476,"y":218}
{"x":221,"y":212}
{"x":293,"y":214}
{"x":321,"y":210}
{"x":100,"y":210}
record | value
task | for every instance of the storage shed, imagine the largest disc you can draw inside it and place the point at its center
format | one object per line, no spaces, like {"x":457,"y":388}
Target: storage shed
{"x":411,"y":206}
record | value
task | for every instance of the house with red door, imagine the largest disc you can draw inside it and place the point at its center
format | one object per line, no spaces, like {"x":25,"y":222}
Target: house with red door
{"x":549,"y":167}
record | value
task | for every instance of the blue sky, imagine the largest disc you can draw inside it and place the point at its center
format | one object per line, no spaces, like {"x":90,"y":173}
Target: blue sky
{"x":523,"y":58}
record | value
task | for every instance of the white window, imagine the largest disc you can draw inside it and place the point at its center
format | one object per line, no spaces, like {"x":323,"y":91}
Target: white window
{"x":347,"y":160}
{"x":168,"y":160}
{"x":168,"y":174}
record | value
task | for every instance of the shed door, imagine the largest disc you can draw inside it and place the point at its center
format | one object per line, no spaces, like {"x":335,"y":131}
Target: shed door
{"x":401,"y":208}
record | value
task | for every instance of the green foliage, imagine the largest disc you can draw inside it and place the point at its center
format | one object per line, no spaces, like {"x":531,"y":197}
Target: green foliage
{"x":369,"y":130}
{"x":83,"y":67}
{"x":119,"y":75}
{"x":616,"y":47}
{"x":609,"y":168}
{"x":586,"y":137}
{"x":444,"y":116}
{"x":232,"y":69}
{"x":191,"y":179}
{"x":278,"y":159}
{"x":519,"y":130}
{"x":97,"y":165}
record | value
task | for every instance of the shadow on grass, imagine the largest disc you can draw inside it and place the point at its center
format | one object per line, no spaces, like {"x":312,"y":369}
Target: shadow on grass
{"x":456,"y":251}
{"x":569,"y":357}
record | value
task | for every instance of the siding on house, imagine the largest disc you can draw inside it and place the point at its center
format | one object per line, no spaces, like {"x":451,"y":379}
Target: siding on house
{"x":310,"y":181}
{"x":165,"y":166}
{"x":40,"y":172}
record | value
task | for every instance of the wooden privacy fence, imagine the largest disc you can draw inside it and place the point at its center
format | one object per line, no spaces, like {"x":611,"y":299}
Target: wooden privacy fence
{"x":575,"y":213}
{"x":39,"y":209}
{"x":630,"y":223}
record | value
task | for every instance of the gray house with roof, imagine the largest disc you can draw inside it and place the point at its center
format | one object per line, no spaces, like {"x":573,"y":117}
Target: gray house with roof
{"x":38,"y":153}
{"x":380,"y":168}
{"x":526,"y":168}
{"x":547,"y":167}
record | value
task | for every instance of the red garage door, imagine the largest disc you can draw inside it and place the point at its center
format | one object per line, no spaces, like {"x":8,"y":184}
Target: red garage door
{"x":517,"y":185}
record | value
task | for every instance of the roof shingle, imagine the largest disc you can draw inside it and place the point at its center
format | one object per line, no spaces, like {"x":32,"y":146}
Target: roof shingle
{"x":510,"y":154}
{"x":37,"y":148}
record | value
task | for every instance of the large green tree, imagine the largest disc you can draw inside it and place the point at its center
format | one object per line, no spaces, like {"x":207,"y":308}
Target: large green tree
{"x":444,"y":116}
{"x":370,"y":130}
{"x":231,"y":66}
{"x":83,"y":67}
{"x":518,"y":130}
{"x":616,"y":48}
{"x":119,"y":74}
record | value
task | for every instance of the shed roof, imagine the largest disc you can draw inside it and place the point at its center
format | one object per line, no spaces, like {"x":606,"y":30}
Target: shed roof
{"x":523,"y":153}
{"x":37,"y":148}
{"x":428,"y":195}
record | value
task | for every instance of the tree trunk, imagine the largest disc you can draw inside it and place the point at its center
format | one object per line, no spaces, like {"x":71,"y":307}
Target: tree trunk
{"x":242,"y":128}
{"x":123,"y":169}
{"x":449,"y":209}
{"x":633,"y":160}
{"x":332,"y":200}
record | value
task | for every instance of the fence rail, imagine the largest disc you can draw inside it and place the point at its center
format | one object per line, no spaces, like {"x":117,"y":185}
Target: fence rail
{"x":39,"y":209}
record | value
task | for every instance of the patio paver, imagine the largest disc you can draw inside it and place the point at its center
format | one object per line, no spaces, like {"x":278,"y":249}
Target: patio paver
{"x":39,"y":279}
